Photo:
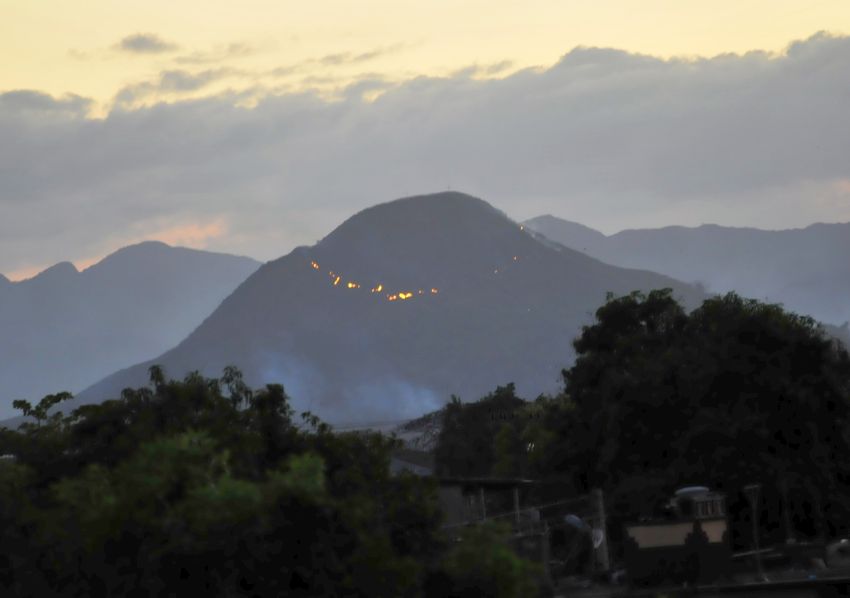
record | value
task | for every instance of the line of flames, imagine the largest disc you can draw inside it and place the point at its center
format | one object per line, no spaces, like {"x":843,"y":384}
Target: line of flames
{"x":351,"y":284}
{"x":399,"y":296}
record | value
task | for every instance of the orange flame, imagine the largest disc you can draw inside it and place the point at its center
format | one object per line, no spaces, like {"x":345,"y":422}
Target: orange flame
{"x":392,"y":297}
{"x":315,"y":265}
{"x":378,"y":288}
{"x":353,"y":285}
{"x":434,"y":291}
{"x":404,"y":296}
{"x":336,"y":281}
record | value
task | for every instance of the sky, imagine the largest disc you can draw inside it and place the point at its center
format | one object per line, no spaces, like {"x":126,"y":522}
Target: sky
{"x":257,"y":126}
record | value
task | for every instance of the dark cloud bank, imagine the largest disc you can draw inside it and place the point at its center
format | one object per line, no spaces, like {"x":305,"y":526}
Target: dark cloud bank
{"x":605,"y":137}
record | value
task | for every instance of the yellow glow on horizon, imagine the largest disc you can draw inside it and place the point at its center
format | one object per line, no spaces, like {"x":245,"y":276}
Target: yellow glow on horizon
{"x":60,"y":47}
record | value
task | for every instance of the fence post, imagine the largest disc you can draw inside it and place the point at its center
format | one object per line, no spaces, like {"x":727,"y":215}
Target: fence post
{"x":483,"y":504}
{"x":516,"y":506}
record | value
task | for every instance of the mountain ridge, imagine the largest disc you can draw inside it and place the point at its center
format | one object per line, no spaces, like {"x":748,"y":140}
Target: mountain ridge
{"x":64,"y":329}
{"x":803,"y":268}
{"x":488,"y":304}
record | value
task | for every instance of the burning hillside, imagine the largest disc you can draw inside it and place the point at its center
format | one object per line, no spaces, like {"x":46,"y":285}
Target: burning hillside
{"x":487,"y":304}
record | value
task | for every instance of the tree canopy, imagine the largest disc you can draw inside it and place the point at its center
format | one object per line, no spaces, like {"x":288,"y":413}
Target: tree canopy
{"x":207,"y":487}
{"x":735,"y":392}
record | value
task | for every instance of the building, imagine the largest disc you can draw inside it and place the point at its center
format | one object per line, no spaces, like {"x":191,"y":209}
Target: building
{"x":690,"y":544}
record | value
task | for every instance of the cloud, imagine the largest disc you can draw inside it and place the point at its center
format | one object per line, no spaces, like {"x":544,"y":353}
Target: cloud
{"x":605,"y":137}
{"x":358,"y":57}
{"x":23,"y":102}
{"x":216,"y":55}
{"x":175,"y":81}
{"x":145,"y":43}
{"x":339,"y":59}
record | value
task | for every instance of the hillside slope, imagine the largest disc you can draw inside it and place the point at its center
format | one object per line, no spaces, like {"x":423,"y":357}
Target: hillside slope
{"x":488,"y":304}
{"x":64,"y":329}
{"x":807,"y":270}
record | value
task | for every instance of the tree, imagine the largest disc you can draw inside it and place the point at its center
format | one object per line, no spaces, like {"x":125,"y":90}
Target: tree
{"x":482,"y":563}
{"x":207,"y":487}
{"x":466,"y":446}
{"x":735,"y":392}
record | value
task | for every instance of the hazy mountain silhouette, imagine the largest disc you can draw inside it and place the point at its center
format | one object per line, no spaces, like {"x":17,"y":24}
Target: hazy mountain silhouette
{"x":64,"y":329}
{"x":807,"y":270}
{"x":489,"y":304}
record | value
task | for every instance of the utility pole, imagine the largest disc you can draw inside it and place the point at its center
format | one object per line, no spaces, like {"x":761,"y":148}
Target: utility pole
{"x":752,"y":492}
{"x":602,"y":549}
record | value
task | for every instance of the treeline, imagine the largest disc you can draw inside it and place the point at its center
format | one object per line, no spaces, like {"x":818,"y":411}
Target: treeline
{"x":204,"y":487}
{"x":735,"y":392}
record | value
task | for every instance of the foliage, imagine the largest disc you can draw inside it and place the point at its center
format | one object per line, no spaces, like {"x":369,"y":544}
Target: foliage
{"x":733,"y":393}
{"x":482,"y":563}
{"x":207,"y":487}
{"x":465,"y":446}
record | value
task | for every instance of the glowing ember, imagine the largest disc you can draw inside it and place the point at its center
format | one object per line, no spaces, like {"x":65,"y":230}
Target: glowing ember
{"x":379,"y":288}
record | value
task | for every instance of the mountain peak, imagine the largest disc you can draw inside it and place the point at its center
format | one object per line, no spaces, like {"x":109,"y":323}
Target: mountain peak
{"x":417,"y":210}
{"x":405,"y":238}
{"x":136,"y":250}
{"x":409,"y":218}
{"x":60,"y":272}
{"x":155,"y":255}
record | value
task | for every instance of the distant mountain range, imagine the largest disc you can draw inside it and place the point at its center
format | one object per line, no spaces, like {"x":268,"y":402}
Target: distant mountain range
{"x":64,"y":329}
{"x":807,"y":270}
{"x":401,"y":306}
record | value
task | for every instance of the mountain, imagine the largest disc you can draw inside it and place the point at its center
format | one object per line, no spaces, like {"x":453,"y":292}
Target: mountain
{"x":64,"y":329}
{"x":807,"y":270}
{"x":401,"y":306}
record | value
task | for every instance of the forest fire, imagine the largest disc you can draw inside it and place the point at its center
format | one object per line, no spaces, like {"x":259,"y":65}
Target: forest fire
{"x":379,"y":288}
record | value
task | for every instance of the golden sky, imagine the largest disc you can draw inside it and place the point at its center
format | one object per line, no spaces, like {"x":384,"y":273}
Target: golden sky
{"x":60,"y":47}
